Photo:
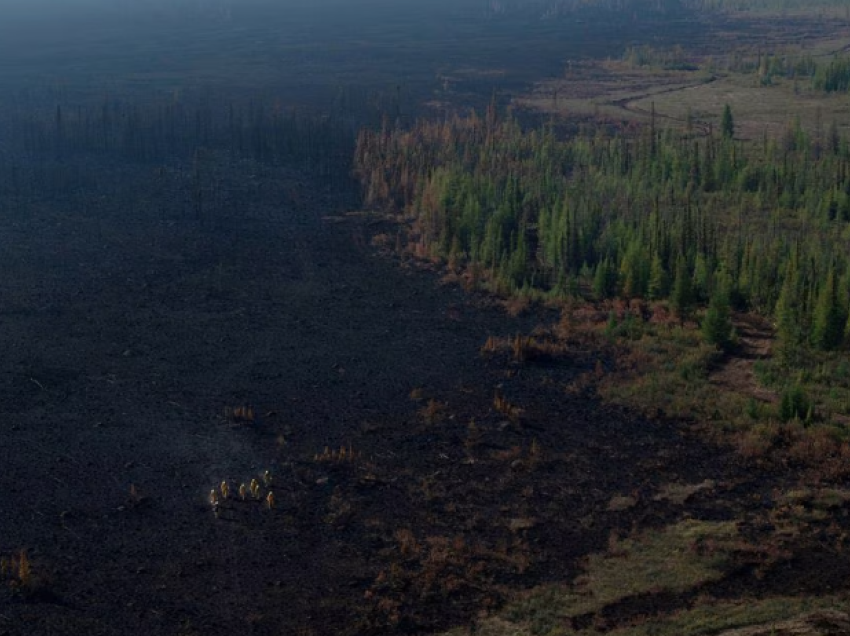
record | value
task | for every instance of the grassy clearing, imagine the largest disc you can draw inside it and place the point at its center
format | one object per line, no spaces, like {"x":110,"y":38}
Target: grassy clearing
{"x":616,"y":92}
{"x":677,"y":559}
{"x":679,"y":494}
{"x":663,"y":368}
{"x":722,"y":71}
{"x":759,"y":110}
{"x":713,"y":617}
{"x":677,"y":384}
{"x":707,"y":617}
{"x":817,"y":498}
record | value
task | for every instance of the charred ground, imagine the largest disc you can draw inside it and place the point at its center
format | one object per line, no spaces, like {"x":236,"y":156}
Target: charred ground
{"x":167,"y":261}
{"x":125,"y":342}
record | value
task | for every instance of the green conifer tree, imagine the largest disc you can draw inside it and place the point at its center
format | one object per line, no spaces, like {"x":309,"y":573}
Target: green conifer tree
{"x":717,"y":324}
{"x":602,"y":278}
{"x":828,"y":321}
{"x":727,"y":123}
{"x":658,"y":280}
{"x":787,"y":317}
{"x":634,"y":271}
{"x":682,"y":297}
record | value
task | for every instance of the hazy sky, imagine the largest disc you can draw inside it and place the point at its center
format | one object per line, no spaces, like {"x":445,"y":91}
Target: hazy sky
{"x":125,"y":44}
{"x":47,"y":41}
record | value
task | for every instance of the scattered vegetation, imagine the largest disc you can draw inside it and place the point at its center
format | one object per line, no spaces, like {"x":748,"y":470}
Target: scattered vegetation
{"x":644,"y":222}
{"x":16,"y":571}
{"x":655,"y":244}
{"x":682,"y":557}
{"x":332,"y":455}
{"x":240,"y":414}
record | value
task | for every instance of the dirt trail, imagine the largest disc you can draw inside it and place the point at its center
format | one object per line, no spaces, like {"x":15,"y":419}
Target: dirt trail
{"x":629,"y":103}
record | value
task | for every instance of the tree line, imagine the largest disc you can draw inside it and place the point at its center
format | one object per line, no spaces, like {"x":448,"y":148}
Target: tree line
{"x":50,"y":150}
{"x":651,"y":214}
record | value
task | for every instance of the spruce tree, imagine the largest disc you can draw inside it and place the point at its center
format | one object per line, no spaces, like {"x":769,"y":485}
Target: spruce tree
{"x":828,"y":321}
{"x":727,"y":123}
{"x":602,"y":279}
{"x":634,"y":271}
{"x":658,"y":279}
{"x":717,"y":324}
{"x":682,"y":297}
{"x":787,"y":317}
{"x":703,"y":272}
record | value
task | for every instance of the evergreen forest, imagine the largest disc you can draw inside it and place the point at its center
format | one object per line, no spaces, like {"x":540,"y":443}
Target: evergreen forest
{"x":655,"y":214}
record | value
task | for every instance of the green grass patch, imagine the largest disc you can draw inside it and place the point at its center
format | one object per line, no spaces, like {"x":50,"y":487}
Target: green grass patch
{"x":678,"y":558}
{"x":707,"y":617}
{"x":714,"y":617}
